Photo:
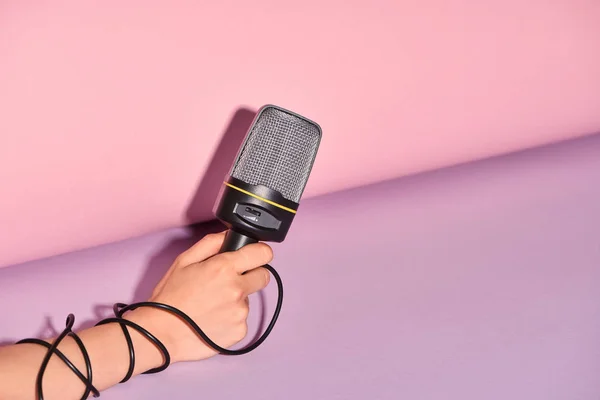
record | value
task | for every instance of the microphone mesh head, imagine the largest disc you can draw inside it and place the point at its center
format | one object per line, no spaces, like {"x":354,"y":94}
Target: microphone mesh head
{"x":278,"y":152}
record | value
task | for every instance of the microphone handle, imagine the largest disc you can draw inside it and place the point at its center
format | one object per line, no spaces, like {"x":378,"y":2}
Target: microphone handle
{"x":235,"y":241}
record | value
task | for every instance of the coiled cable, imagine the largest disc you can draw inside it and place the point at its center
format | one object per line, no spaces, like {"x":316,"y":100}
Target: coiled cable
{"x":119,"y":310}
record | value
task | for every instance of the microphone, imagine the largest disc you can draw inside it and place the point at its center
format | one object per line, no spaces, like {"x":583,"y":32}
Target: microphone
{"x":260,"y":196}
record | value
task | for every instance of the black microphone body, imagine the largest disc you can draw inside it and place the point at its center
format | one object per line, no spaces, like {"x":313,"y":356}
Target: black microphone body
{"x":253,"y":213}
{"x":260,"y":196}
{"x":235,"y":241}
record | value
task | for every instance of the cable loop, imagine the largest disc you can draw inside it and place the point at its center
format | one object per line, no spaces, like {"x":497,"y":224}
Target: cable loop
{"x":119,"y":310}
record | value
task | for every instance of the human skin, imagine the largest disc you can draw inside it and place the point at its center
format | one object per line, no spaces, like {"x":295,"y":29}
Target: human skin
{"x":209,"y":287}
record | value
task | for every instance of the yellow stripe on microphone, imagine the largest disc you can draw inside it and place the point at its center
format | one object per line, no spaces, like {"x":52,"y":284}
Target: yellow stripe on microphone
{"x":260,"y":198}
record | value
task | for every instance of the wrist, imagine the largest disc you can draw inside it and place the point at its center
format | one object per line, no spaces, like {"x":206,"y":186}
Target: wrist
{"x":158,"y":323}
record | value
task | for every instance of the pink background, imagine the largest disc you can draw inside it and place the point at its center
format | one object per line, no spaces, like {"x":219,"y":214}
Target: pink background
{"x":110,"y":112}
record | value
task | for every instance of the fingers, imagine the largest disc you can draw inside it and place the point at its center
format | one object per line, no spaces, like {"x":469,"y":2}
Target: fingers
{"x":255,"y":280}
{"x":248,"y":257}
{"x":205,"y":248}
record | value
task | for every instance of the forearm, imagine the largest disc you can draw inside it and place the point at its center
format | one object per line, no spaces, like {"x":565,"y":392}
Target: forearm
{"x":211,"y":289}
{"x":108,"y":352}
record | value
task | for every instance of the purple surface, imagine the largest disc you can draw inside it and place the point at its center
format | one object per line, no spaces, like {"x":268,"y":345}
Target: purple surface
{"x":475,"y":282}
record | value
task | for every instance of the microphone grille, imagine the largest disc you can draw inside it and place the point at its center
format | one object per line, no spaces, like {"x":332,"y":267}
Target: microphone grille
{"x":278,"y":152}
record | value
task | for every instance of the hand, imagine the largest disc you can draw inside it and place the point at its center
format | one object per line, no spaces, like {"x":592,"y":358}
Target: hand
{"x":210,"y":289}
{"x":207,"y":286}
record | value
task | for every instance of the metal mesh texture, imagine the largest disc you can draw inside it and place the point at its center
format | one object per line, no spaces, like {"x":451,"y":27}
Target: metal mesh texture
{"x":278,"y":153}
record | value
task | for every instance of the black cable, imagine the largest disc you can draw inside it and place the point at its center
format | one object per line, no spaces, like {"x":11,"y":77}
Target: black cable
{"x":120,"y":309}
{"x":130,"y":348}
{"x":86,"y":381}
{"x":148,"y":335}
{"x":52,"y":349}
{"x":124,"y":308}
